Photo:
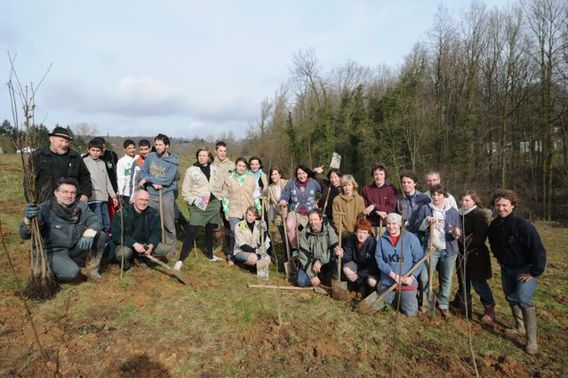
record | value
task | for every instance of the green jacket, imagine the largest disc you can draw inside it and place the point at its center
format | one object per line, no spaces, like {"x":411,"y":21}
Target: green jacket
{"x":138,"y":227}
{"x":314,"y":247}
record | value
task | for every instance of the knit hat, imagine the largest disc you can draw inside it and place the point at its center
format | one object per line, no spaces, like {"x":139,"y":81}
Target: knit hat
{"x":62,"y":132}
{"x":394,"y":217}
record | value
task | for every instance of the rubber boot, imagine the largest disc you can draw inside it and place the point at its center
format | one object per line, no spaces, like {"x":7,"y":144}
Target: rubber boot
{"x":92,"y":265}
{"x":529,"y":317}
{"x":519,"y":327}
{"x":489,"y":315}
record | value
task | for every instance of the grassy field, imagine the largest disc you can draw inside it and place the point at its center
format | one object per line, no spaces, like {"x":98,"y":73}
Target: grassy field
{"x":148,"y":324}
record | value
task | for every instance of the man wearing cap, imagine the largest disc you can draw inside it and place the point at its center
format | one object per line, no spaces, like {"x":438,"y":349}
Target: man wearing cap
{"x":56,"y":161}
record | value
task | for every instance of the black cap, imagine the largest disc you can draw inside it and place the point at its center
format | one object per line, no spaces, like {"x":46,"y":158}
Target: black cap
{"x":61,"y":132}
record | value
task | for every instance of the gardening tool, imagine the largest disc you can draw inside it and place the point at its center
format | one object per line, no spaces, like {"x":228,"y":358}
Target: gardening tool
{"x":289,"y":266}
{"x":315,"y":289}
{"x":431,"y":296}
{"x":338,"y":287}
{"x":261,"y":265}
{"x":176,"y":273}
{"x":162,"y":216}
{"x":375,"y":301}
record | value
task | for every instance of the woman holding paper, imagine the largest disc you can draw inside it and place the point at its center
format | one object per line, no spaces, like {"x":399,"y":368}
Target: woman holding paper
{"x":201,"y":189}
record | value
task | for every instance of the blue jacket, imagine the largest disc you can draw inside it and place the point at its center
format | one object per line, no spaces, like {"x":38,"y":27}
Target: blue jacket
{"x":417,"y":225}
{"x":161,"y":170}
{"x":398,"y":258}
{"x":364,"y":257}
{"x":302,"y":201}
{"x":407,"y":205}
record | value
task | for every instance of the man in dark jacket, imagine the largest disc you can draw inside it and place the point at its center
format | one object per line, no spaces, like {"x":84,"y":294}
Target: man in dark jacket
{"x":517,"y":247}
{"x":70,"y":232}
{"x":57,"y":161}
{"x":359,"y":264}
{"x":136,"y":228}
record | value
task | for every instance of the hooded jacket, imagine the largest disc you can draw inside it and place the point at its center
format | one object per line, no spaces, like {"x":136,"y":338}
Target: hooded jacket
{"x":161,"y":170}
{"x":398,"y":258}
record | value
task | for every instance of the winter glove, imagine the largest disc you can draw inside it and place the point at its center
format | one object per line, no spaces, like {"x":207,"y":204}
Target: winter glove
{"x":86,"y":241}
{"x":31,"y":211}
{"x":85,"y":244}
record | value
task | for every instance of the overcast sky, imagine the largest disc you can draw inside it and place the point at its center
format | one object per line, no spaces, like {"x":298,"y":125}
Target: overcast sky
{"x":189,"y":68}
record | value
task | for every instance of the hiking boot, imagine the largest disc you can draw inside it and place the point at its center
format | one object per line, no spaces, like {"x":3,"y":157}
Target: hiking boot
{"x":529,"y":317}
{"x":445,"y":313}
{"x":93,"y":275}
{"x":519,"y":328}
{"x":92,"y":265}
{"x":214,"y":258}
{"x":457,"y":305}
{"x":178,"y":265}
{"x":489,"y":315}
{"x":126,"y":266}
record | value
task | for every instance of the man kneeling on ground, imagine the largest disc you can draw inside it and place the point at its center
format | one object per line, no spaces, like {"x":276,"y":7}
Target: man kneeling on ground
{"x":317,"y":246}
{"x":136,"y":228}
{"x":70,"y":232}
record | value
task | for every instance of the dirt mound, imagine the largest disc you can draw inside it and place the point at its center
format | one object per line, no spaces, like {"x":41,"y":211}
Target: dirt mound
{"x":142,"y":366}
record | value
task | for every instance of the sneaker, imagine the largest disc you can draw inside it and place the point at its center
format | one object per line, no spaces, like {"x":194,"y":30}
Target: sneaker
{"x":178,"y":265}
{"x":215,"y":258}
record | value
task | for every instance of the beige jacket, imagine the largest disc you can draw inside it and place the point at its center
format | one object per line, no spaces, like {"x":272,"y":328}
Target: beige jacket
{"x":351,"y":207}
{"x":237,"y":198}
{"x":224,"y":168}
{"x":196,"y":189}
{"x":274,"y":200}
{"x":243,"y":236}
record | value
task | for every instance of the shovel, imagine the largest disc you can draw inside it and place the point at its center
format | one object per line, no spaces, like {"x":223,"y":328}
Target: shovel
{"x":375,"y":301}
{"x":176,"y":273}
{"x":261,"y":265}
{"x":431,"y":295}
{"x":289,"y":266}
{"x":338,"y":287}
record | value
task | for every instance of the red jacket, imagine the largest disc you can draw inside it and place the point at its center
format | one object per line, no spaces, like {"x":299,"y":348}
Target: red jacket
{"x":384,"y":199}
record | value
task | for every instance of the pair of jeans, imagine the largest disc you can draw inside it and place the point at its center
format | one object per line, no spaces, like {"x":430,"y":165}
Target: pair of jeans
{"x":517,"y":292}
{"x":326,"y":271}
{"x":65,"y":263}
{"x":445,"y":265}
{"x":100,"y":208}
{"x":408,"y":301}
{"x":481,"y":287}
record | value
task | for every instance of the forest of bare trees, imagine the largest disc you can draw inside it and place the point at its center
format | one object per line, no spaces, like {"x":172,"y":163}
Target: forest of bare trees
{"x":483,"y":99}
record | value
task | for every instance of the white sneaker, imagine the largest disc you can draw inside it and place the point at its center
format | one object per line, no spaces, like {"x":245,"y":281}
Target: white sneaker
{"x":215,"y":258}
{"x":178,"y":265}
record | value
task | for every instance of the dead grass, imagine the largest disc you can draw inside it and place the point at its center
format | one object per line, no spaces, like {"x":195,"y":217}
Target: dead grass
{"x":149,"y":324}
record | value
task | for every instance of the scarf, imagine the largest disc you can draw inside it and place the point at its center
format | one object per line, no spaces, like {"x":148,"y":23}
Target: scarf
{"x":70,"y":213}
{"x":239,"y":178}
{"x":463,"y":211}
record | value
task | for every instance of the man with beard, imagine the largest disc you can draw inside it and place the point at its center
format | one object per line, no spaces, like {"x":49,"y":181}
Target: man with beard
{"x":70,"y":232}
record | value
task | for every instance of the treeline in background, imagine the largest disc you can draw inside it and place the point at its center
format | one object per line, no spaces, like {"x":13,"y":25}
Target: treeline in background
{"x":483,"y":99}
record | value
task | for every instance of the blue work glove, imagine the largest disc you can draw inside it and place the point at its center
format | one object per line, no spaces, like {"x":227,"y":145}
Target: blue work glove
{"x":85,"y":243}
{"x":31,"y":211}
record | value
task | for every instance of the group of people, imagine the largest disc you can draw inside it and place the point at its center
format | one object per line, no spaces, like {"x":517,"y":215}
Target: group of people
{"x":381,"y":238}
